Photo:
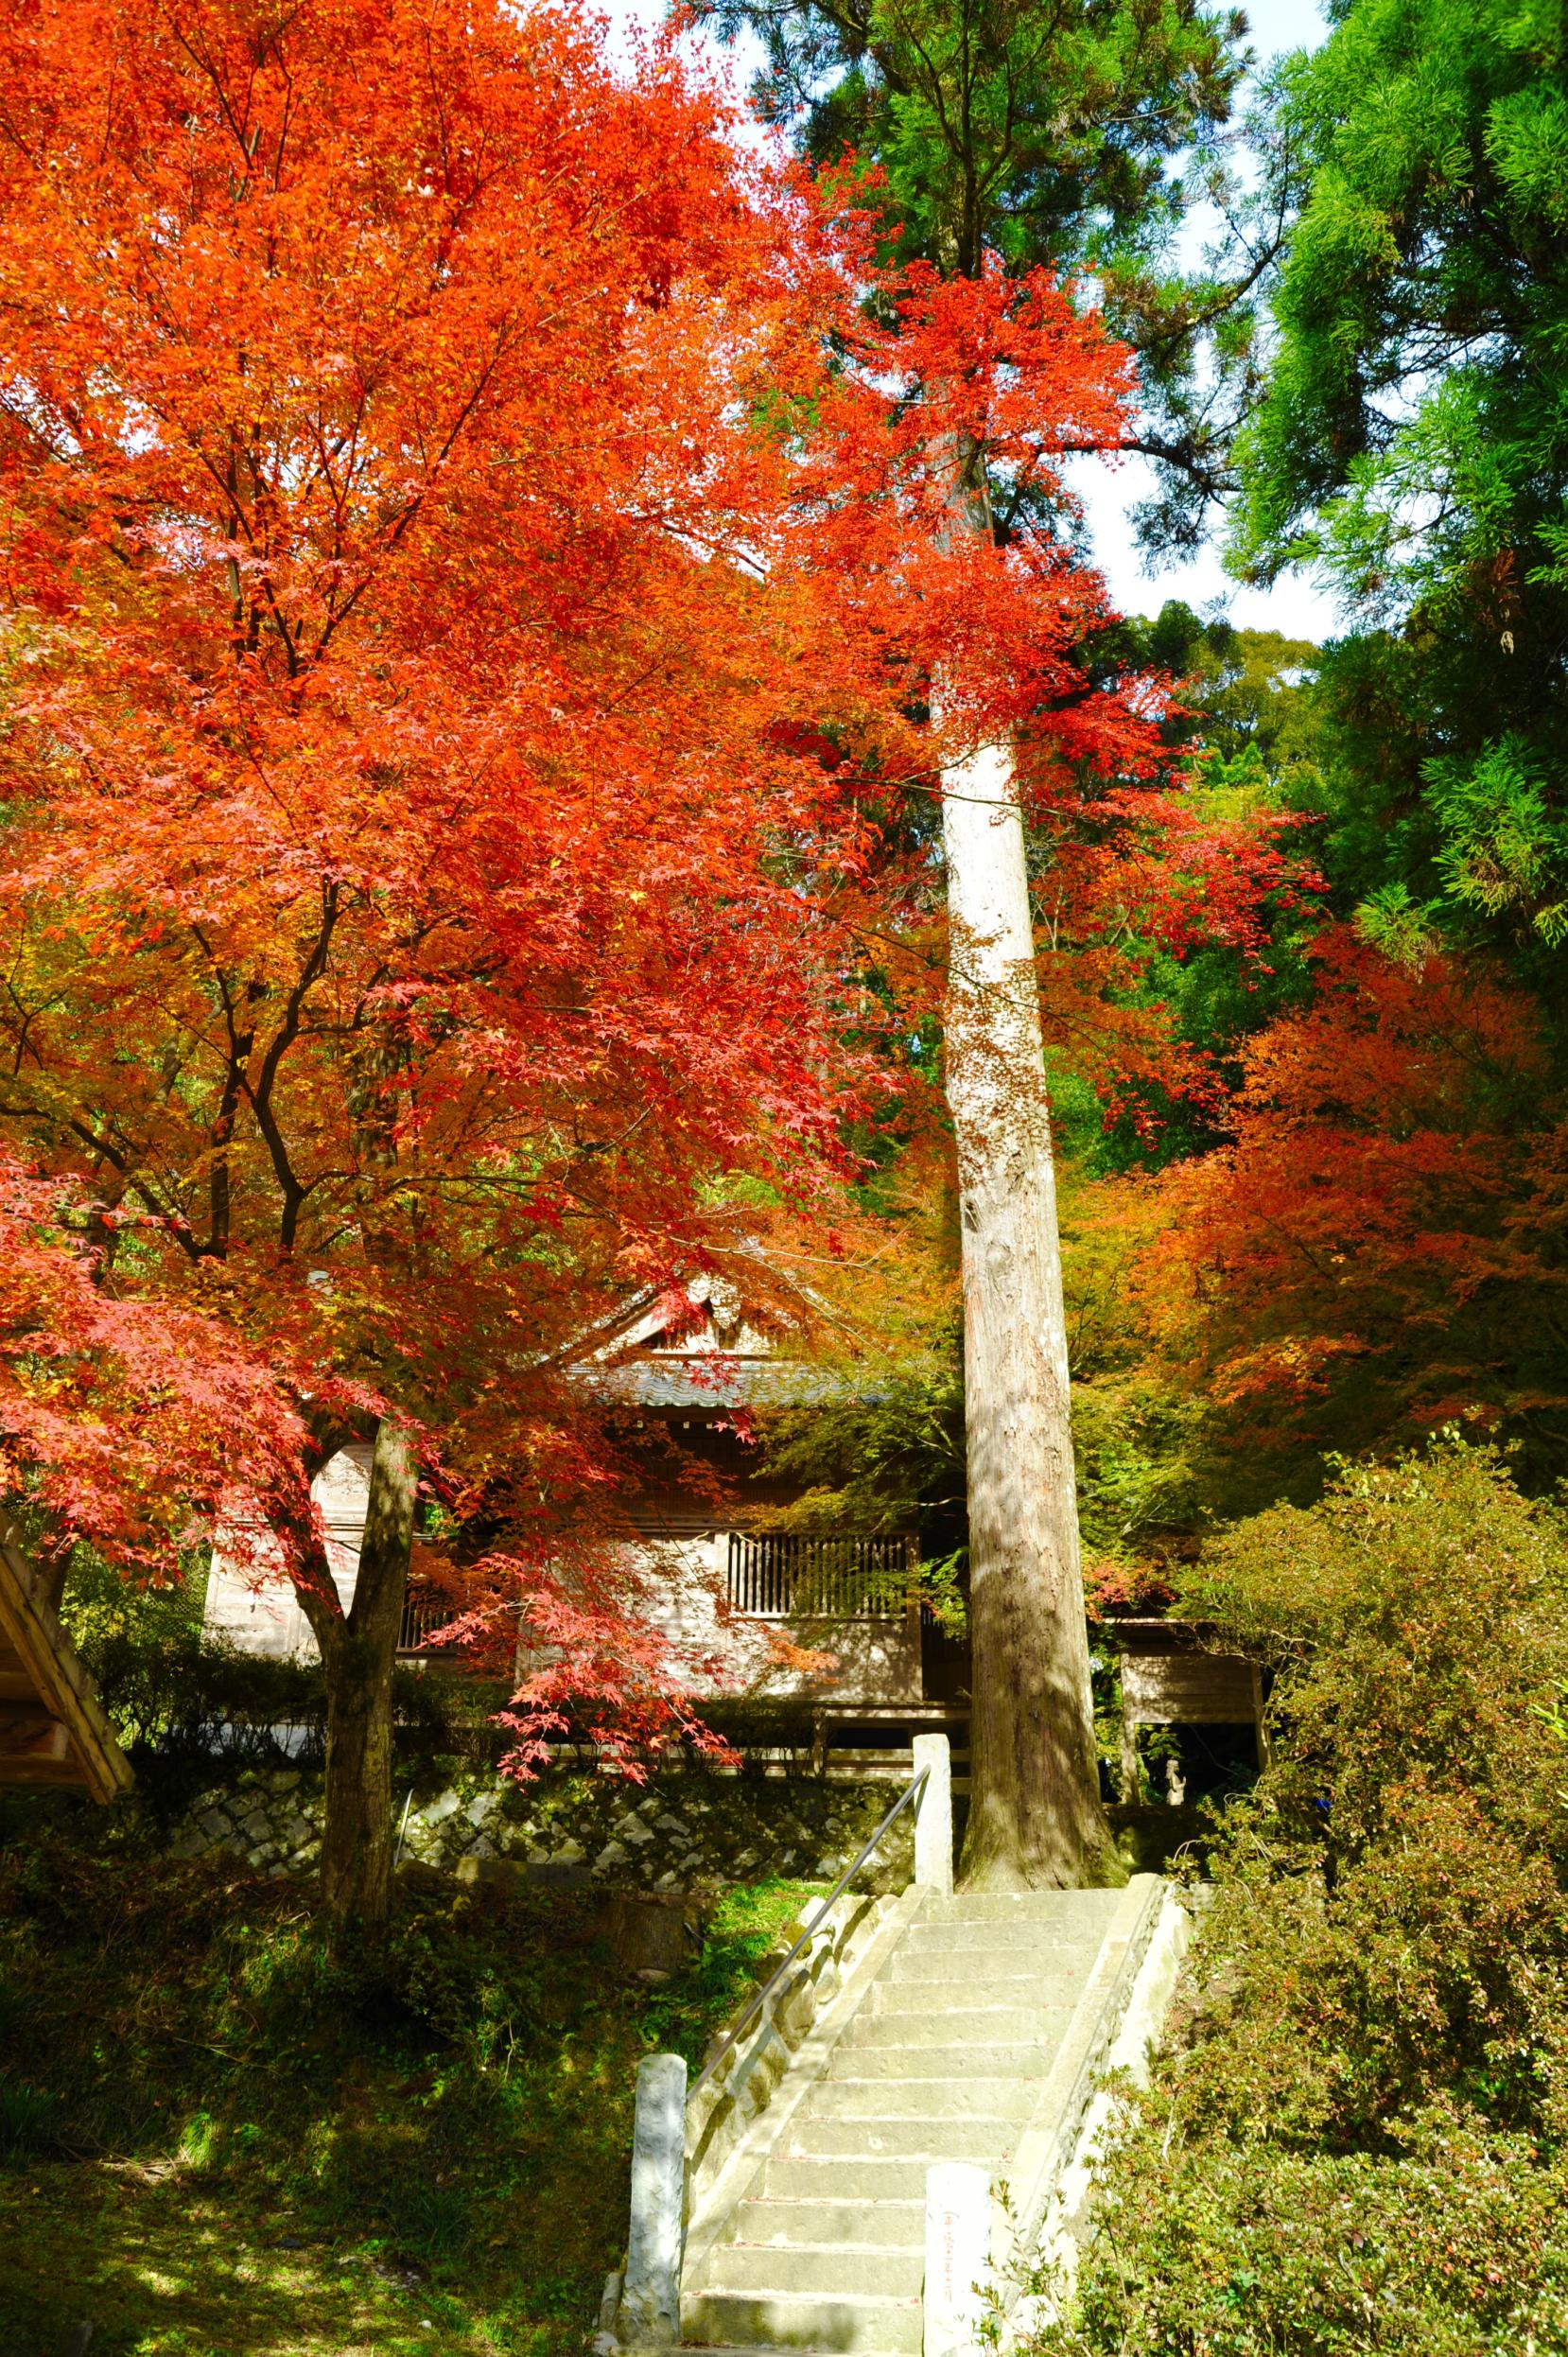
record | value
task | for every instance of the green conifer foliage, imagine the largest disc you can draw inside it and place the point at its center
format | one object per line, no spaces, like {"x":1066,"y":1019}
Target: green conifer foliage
{"x":1077,"y":136}
{"x":1413,"y":442}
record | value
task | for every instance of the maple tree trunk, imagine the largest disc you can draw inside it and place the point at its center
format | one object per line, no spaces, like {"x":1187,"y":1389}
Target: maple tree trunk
{"x":359,"y":1656}
{"x":1035,"y":1814}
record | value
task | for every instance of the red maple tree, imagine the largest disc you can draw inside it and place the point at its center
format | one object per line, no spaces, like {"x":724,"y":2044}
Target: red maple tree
{"x":398,"y":752}
{"x":474,"y":573}
{"x":1376,"y":1250}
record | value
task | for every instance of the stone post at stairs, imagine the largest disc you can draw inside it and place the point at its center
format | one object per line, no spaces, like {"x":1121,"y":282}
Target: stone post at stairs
{"x":933,"y":1815}
{"x":651,"y":2301}
{"x":958,"y":2253}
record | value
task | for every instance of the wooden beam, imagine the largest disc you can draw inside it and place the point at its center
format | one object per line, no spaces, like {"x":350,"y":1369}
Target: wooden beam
{"x":1189,"y":1690}
{"x":31,"y":1632}
{"x":36,"y":1748}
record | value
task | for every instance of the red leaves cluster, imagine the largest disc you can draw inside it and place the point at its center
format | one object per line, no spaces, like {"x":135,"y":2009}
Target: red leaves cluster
{"x":1381,"y":1227}
{"x":477,"y":558}
{"x":944,"y":382}
{"x":126,"y":1422}
{"x":1141,"y":870}
{"x":439,"y":537}
{"x":396,"y":754}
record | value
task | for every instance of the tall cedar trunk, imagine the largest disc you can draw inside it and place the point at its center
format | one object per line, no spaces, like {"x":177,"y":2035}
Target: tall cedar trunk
{"x":359,"y":1656}
{"x":1035,"y":1814}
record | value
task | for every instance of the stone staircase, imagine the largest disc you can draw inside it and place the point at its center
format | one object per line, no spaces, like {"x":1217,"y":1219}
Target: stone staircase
{"x":946,"y":2057}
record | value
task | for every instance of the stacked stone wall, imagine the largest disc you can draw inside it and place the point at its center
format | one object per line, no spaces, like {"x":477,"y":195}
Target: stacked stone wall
{"x":691,"y":1829}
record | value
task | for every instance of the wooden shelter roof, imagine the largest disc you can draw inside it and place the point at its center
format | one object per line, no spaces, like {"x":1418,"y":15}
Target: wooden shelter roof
{"x":53,"y":1730}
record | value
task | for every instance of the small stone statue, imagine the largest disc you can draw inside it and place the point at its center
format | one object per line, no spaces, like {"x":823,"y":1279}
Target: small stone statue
{"x":1176,"y":1783}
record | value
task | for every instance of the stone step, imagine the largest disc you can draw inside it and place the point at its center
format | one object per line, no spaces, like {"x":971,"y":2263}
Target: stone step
{"x":800,"y":2320}
{"x":824,"y":2268}
{"x":956,"y":1991}
{"x":994,"y":1968}
{"x":991,"y":1940}
{"x":956,"y":2025}
{"x":857,"y":2219}
{"x":760,"y":2348}
{"x":847,"y":2180}
{"x":757,"y":2349}
{"x":973,"y":2136}
{"x":1037,"y":1907}
{"x":953,"y":2098}
{"x":956,"y":2061}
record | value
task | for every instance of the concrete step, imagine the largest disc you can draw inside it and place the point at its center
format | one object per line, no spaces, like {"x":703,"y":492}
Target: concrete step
{"x":759,"y":2349}
{"x":879,"y":2058}
{"x":856,"y":2219}
{"x":969,"y":1992}
{"x":973,"y":2136}
{"x":957,"y":2098}
{"x":956,"y":2025}
{"x":1039,"y":1907}
{"x":938,"y":1962}
{"x":799,"y":2321}
{"x":820,"y":2268}
{"x":848,"y":2180}
{"x":992,"y":1940}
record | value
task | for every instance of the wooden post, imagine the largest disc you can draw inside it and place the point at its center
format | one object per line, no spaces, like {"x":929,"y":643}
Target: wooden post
{"x":1259,"y":1731}
{"x":913,"y":1624}
{"x":1129,"y":1755}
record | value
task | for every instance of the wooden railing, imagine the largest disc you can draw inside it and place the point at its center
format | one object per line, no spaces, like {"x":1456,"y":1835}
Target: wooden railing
{"x":421,"y":1616}
{"x":785,"y":1575}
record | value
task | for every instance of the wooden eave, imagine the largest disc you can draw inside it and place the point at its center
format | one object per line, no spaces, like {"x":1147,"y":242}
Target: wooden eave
{"x":53,"y":1730}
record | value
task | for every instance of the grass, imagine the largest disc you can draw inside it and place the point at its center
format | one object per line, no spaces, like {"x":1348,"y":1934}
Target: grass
{"x":218,"y":2136}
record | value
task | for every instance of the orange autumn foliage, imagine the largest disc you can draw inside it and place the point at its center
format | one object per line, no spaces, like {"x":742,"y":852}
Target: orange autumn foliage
{"x":397,"y":748}
{"x":1378,"y":1248}
{"x":473,"y":574}
{"x":461,"y":624}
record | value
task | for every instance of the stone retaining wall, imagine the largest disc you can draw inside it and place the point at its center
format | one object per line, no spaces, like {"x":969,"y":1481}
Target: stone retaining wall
{"x":690,"y":1829}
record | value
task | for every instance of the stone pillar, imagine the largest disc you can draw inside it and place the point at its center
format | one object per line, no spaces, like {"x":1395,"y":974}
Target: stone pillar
{"x":933,"y":1815}
{"x":958,"y":2253}
{"x":651,"y":2302}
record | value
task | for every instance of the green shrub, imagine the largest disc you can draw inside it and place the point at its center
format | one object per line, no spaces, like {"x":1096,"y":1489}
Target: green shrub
{"x":28,"y":2121}
{"x":1233,"y":2246}
{"x":189,"y":2062}
{"x":181,"y":1700}
{"x":1360,"y":2140}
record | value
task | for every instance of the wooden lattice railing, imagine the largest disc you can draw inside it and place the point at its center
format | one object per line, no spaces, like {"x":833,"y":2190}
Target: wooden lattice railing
{"x":785,"y":1575}
{"x":421,"y":1616}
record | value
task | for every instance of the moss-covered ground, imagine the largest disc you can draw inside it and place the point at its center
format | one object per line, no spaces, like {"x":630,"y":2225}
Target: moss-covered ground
{"x":219,"y":2135}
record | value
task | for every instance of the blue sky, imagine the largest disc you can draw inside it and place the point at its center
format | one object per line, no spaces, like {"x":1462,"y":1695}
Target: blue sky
{"x":1294,"y":605}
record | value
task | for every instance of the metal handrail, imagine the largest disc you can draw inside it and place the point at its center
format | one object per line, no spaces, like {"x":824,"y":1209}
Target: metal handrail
{"x":905,"y":1800}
